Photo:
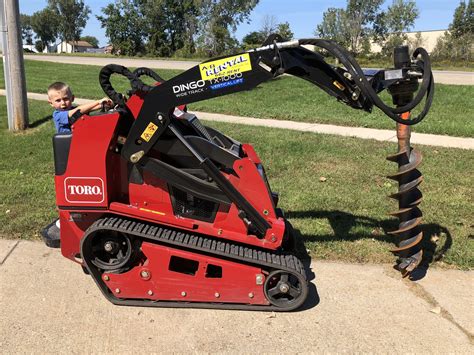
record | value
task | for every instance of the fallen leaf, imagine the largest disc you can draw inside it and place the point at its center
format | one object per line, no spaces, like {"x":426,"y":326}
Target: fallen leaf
{"x":375,"y":231}
{"x":273,"y":315}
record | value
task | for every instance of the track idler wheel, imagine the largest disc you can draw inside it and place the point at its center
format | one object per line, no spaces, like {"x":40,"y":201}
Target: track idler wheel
{"x":285,"y":289}
{"x":111,"y":251}
{"x":409,"y":249}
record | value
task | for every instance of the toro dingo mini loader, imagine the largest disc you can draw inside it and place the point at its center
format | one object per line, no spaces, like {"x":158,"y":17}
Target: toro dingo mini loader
{"x":163,"y":211}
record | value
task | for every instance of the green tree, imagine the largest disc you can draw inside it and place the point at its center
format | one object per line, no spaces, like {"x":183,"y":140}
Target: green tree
{"x":334,"y":26}
{"x":219,"y":19}
{"x":399,"y":18}
{"x":72,"y":18}
{"x":463,"y":20}
{"x":91,"y":40}
{"x":457,"y":43}
{"x":124,"y":26}
{"x":159,"y":27}
{"x":254,"y":38}
{"x":171,"y":25}
{"x":26,"y":30}
{"x":284,"y":30}
{"x":351,"y":26}
{"x":45,"y":24}
{"x":269,"y":25}
{"x":360,"y":15}
{"x":39,"y":45}
{"x":416,"y":42}
{"x":470,"y":17}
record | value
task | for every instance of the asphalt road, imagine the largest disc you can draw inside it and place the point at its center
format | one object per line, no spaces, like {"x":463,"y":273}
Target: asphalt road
{"x":48,"y":305}
{"x":440,"y":76}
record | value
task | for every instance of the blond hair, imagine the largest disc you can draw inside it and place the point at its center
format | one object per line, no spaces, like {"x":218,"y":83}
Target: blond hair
{"x":60,"y":86}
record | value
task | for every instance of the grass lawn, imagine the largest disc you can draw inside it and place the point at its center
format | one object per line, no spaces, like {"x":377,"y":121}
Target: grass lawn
{"x":287,"y":98}
{"x":364,"y":62}
{"x":343,"y":218}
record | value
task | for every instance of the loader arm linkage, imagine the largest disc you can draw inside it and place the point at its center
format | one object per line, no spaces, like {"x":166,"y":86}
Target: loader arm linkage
{"x":228,"y":75}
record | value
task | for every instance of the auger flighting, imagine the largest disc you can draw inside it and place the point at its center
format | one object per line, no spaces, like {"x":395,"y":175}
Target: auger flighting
{"x":409,"y":248}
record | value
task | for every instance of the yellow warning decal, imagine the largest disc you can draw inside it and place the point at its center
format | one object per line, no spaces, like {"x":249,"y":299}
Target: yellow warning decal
{"x":338,"y":85}
{"x":151,"y":211}
{"x":225,"y":66}
{"x":149,"y":132}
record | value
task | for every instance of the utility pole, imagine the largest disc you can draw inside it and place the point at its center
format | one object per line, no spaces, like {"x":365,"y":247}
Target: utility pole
{"x":14,"y":69}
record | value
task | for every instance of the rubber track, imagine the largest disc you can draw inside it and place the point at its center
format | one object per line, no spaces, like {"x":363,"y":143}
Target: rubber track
{"x":198,"y":243}
{"x":211,"y":246}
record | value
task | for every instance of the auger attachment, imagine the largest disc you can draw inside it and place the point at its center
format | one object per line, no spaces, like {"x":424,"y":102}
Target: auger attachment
{"x":408,"y":176}
{"x":409,"y":197}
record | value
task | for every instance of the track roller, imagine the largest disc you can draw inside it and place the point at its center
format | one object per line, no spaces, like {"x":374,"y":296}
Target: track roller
{"x":285,"y":289}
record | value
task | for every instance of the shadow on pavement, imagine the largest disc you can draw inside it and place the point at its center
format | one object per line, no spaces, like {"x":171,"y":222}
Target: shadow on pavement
{"x":312,"y":300}
{"x":342,"y":224}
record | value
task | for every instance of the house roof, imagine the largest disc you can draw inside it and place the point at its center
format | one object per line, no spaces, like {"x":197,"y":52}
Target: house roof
{"x":81,"y":44}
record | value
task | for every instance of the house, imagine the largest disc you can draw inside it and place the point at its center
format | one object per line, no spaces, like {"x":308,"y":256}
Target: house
{"x":428,"y":40}
{"x":96,"y":50}
{"x":79,"y":47}
{"x":30,"y":48}
{"x":109,"y":49}
{"x":50,"y":48}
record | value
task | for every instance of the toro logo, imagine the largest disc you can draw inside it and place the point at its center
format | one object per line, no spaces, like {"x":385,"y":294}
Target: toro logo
{"x":84,"y":189}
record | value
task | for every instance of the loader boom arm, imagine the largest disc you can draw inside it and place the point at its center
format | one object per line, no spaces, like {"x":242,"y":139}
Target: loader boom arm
{"x":244,"y":71}
{"x":228,"y":75}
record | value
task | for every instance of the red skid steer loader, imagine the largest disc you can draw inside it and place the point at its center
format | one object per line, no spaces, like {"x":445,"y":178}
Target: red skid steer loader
{"x":163,"y":211}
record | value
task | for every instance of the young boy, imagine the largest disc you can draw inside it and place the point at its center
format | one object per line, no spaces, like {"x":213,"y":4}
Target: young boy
{"x":60,"y":97}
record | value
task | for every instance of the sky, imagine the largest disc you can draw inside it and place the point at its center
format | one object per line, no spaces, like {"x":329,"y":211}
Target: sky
{"x":302,"y":15}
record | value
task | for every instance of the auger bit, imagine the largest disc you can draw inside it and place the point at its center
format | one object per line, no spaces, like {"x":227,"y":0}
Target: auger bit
{"x":409,"y":232}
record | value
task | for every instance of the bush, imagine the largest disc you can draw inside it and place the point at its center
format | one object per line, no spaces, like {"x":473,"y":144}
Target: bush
{"x":454,"y":49}
{"x":39,"y":45}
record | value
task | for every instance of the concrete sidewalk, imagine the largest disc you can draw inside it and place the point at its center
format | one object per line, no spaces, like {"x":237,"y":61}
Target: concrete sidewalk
{"x":50,"y":306}
{"x":357,"y":132}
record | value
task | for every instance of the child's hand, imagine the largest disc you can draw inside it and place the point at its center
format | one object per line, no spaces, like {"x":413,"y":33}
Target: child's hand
{"x":106,"y":103}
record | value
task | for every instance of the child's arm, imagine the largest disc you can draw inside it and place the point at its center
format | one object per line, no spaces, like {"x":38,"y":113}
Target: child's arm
{"x":92,"y":106}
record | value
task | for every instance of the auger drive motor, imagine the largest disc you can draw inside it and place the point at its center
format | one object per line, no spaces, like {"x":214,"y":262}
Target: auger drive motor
{"x":164,"y":211}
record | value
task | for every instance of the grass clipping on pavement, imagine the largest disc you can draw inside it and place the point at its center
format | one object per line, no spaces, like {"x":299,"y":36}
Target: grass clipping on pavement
{"x":333,"y":189}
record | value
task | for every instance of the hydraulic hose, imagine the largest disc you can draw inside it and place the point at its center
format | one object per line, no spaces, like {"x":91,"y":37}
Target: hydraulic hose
{"x":426,"y":89}
{"x":104,"y":80}
{"x":147,"y":72}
